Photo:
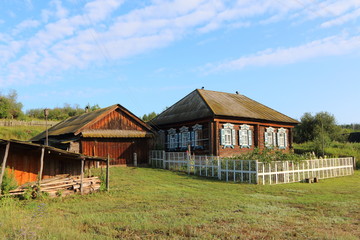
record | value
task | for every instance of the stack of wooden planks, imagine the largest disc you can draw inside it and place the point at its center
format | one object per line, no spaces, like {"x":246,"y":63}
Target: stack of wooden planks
{"x":60,"y":186}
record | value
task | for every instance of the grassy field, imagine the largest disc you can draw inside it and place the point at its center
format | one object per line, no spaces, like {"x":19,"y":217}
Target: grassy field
{"x":159,"y":204}
{"x":20,"y":132}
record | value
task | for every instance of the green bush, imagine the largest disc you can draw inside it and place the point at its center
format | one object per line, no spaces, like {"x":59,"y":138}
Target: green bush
{"x":268,"y":155}
{"x":9,"y":182}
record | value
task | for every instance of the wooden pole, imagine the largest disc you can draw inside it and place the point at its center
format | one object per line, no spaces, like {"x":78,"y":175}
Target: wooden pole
{"x":82,"y":176}
{"x":108,"y":173}
{"x":3,"y":166}
{"x":41,"y":165}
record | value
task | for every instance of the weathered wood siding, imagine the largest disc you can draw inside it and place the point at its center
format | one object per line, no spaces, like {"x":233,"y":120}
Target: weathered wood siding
{"x":116,"y":120}
{"x":25,"y":164}
{"x":121,"y":151}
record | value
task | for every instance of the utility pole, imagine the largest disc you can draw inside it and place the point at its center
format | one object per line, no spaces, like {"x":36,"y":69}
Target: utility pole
{"x":46,"y":113}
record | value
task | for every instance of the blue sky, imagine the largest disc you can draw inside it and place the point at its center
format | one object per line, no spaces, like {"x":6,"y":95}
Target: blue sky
{"x":295,"y":56}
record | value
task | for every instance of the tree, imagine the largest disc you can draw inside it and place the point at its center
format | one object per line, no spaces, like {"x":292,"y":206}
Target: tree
{"x":9,"y":106}
{"x":320,"y":126}
{"x":149,"y":117}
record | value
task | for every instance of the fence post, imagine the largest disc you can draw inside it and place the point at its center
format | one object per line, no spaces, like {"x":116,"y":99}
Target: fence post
{"x":188,"y":163}
{"x":135,"y":160}
{"x":219,"y":168}
{"x":354,"y":162}
{"x":164,"y":157}
{"x":257,"y":172}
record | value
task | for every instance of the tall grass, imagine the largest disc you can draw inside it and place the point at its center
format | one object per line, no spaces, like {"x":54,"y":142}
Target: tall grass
{"x":335,"y":149}
{"x":20,"y":132}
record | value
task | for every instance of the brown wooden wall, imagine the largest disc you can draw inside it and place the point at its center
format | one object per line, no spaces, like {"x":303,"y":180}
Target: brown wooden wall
{"x":25,"y":164}
{"x":121,"y":151}
{"x":116,"y":120}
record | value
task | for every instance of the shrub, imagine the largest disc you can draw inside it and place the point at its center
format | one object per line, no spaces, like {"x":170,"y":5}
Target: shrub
{"x":9,"y":182}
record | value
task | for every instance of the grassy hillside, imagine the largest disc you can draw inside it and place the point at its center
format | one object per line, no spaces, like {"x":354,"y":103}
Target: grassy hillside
{"x":159,"y":204}
{"x":20,"y":132}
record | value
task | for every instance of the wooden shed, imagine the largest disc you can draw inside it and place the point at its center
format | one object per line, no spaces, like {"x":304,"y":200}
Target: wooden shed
{"x":113,"y":131}
{"x":222,"y":124}
{"x":28,"y":160}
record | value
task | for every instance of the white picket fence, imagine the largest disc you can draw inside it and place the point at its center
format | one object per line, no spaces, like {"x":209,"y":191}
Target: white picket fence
{"x":251,"y":171}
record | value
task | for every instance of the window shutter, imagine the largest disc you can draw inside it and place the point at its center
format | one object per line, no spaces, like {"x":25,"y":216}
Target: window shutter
{"x":233,"y":135}
{"x":240,"y":137}
{"x":286,"y":140}
{"x":250,"y":137}
{"x":274,"y":139}
{"x":188,"y":139}
{"x":278,"y":139}
{"x":168,"y":141}
{"x":193,"y":138}
{"x":266,"y":139}
{"x":222,"y":136}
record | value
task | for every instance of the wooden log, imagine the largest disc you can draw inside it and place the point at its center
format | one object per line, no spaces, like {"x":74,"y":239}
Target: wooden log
{"x":41,"y":165}
{"x":82,"y":175}
{"x":3,"y":166}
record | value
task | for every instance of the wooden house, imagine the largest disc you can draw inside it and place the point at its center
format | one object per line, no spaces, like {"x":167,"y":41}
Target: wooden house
{"x":222,"y":124}
{"x":113,"y":131}
{"x":27,"y":161}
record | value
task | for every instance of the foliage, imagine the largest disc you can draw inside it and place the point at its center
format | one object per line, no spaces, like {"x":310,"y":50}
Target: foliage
{"x":320,"y":128}
{"x":351,"y":127}
{"x":9,"y":181}
{"x":20,"y":132}
{"x":268,"y":155}
{"x":334,"y":149}
{"x":9,"y":106}
{"x":147,"y":203}
{"x":149,"y":117}
{"x":60,"y":113}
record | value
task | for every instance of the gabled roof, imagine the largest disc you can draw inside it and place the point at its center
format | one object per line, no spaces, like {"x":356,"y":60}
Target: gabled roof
{"x":77,"y":124}
{"x":204,"y":103}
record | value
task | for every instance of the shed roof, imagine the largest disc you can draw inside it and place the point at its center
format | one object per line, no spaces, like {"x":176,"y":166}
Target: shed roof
{"x":75,"y":125}
{"x":65,"y":154}
{"x":205,"y":103}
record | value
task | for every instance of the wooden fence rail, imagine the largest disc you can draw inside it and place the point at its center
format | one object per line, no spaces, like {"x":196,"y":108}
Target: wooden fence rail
{"x":251,"y":171}
{"x":13,"y":123}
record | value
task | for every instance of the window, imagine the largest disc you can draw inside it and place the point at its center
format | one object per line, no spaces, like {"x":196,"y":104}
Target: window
{"x":245,"y":136}
{"x":196,"y":136}
{"x":184,"y":137}
{"x":172,"y":139}
{"x":270,"y":139}
{"x":282,"y":138}
{"x":228,"y":136}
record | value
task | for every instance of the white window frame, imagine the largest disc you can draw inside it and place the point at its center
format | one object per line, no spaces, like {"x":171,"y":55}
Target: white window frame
{"x":282,"y":138}
{"x":172,"y":138}
{"x":227,"y":135}
{"x":245,"y":136}
{"x":195,"y":141}
{"x":184,"y":138}
{"x":270,"y":137}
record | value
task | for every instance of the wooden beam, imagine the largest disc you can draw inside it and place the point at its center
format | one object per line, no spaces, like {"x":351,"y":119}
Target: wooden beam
{"x":3,"y":166}
{"x":41,"y":165}
{"x":108,"y":173}
{"x":82,"y":176}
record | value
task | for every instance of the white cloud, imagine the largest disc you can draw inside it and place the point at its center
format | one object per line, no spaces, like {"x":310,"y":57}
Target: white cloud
{"x":343,"y":19}
{"x":332,"y":46}
{"x":93,"y":33}
{"x":30,"y":23}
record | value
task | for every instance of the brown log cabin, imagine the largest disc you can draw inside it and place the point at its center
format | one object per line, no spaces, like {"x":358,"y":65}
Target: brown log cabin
{"x":113,"y":131}
{"x":222,"y":124}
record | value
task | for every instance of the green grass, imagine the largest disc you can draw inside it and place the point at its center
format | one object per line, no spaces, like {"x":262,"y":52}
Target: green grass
{"x":335,"y":149}
{"x":20,"y":132}
{"x":159,"y":204}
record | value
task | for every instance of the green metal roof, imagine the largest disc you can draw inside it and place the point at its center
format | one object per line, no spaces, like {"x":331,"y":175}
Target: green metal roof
{"x":204,"y":103}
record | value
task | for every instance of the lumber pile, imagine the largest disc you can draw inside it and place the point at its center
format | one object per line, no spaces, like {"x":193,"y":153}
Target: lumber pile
{"x":60,"y":186}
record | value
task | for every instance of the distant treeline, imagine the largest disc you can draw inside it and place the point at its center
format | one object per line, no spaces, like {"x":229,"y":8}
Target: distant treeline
{"x":11,"y":108}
